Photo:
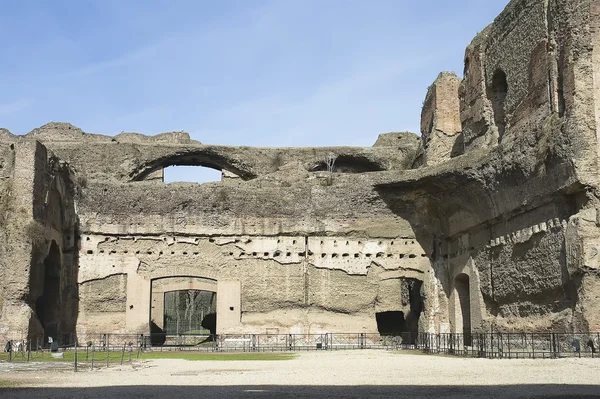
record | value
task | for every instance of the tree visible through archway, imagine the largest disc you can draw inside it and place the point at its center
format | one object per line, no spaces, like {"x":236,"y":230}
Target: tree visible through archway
{"x":190,"y":312}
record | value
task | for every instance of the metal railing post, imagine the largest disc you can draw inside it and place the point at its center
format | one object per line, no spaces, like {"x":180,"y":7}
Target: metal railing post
{"x":75,"y":357}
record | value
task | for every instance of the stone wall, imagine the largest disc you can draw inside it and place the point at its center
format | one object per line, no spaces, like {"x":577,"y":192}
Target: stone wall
{"x":440,"y":120}
{"x":38,"y":242}
{"x":510,"y":212}
{"x":490,"y":220}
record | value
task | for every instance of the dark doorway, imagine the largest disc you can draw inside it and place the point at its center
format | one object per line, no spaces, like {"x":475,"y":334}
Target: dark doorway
{"x":391,"y":323}
{"x":191,"y":312}
{"x":48,"y":305}
{"x":416,"y":306}
{"x":461,"y":285}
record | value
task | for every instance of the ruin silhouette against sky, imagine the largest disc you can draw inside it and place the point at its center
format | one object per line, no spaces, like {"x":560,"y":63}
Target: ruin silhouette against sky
{"x":279,"y":73}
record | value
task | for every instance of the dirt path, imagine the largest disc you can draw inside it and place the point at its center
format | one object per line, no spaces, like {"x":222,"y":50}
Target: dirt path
{"x":378,"y":374}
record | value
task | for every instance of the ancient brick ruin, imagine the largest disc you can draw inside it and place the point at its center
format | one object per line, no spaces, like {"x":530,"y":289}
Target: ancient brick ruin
{"x":489,"y":220}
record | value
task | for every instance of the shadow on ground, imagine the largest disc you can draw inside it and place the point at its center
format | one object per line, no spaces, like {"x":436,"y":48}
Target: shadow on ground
{"x":295,"y":391}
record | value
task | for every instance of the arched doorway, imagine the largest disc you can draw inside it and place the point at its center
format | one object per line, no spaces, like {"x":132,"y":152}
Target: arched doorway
{"x":463,"y":307}
{"x":47,"y":306}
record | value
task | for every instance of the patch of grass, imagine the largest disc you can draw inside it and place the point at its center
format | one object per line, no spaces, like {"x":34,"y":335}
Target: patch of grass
{"x":218,"y":356}
{"x":8,"y":384}
{"x":69,"y":356}
{"x":115,"y":357}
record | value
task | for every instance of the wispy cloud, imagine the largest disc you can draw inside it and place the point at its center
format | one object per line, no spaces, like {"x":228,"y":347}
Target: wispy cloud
{"x":129,"y":58}
{"x":335,"y":105}
{"x":15,"y":106}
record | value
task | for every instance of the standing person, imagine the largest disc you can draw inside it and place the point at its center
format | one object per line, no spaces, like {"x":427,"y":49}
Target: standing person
{"x":8,"y":346}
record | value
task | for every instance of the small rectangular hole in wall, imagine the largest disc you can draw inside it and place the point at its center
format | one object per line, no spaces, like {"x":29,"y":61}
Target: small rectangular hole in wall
{"x":90,"y":252}
{"x":231,"y":308}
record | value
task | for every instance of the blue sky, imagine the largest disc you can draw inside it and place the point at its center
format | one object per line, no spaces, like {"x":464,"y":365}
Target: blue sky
{"x":241,"y":72}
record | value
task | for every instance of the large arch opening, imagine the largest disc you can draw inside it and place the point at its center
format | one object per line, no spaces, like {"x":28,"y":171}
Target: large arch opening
{"x":463,"y":307}
{"x":191,"y":174}
{"x":47,"y":306}
{"x":348,"y":164}
{"x":207,"y":158}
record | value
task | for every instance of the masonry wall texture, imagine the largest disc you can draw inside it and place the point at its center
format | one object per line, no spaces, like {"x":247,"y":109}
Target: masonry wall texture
{"x":490,"y":219}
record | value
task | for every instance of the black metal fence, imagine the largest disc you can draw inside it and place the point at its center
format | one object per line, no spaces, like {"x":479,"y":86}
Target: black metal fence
{"x":100,"y":350}
{"x":91,"y":351}
{"x":512,"y":345}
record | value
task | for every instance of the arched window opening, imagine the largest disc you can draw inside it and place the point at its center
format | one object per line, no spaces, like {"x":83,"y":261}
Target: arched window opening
{"x":463,"y":307}
{"x":153,"y":169}
{"x":348,"y":164}
{"x":497,"y":95}
{"x":191,"y":174}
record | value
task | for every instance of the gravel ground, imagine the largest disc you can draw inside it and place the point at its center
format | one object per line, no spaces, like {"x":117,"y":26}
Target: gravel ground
{"x":343,"y":374}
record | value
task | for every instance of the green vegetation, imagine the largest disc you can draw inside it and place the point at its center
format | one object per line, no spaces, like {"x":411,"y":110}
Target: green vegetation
{"x":115,"y":357}
{"x":8,"y":384}
{"x":6,"y":203}
{"x":35,"y":231}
